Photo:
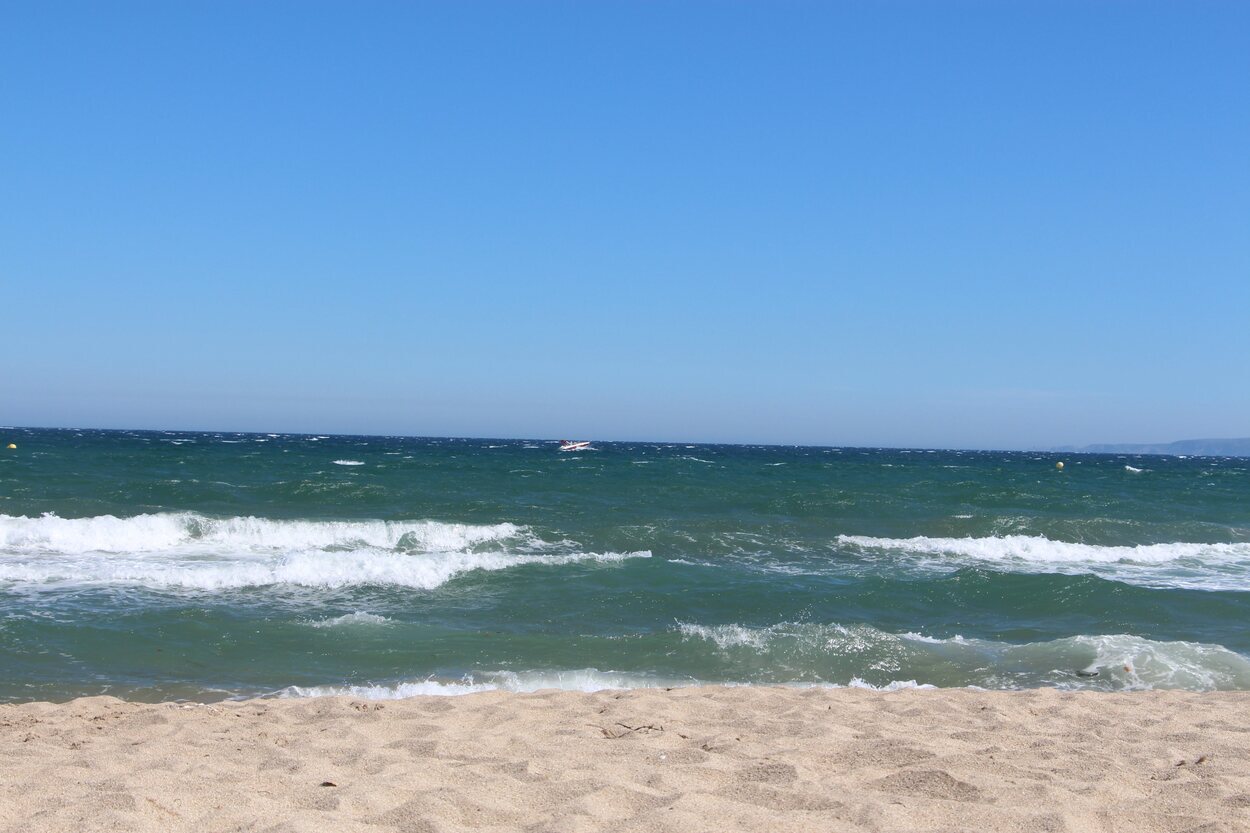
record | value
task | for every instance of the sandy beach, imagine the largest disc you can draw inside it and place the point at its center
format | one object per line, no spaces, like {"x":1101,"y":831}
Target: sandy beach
{"x":683,"y":760}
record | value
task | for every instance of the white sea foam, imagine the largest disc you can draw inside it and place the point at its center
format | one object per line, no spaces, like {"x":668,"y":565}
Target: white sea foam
{"x":1107,"y":662}
{"x":1044,"y":550}
{"x":188,"y":531}
{"x":349,"y":462}
{"x":583,"y":679}
{"x":727,"y":636}
{"x":398,"y":691}
{"x":802,"y":638}
{"x":348,"y":620}
{"x":318,"y":569}
{"x":1144,"y":663}
{"x":1133,"y":469}
{"x":186,"y":550}
{"x":1221,"y":566}
{"x":308,"y":569}
{"x":895,"y":685}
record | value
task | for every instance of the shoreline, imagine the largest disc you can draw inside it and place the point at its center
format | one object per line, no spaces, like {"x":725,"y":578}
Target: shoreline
{"x":685,"y":759}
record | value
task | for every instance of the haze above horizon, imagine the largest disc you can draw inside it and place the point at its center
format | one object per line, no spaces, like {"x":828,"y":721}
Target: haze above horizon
{"x":966,"y":226}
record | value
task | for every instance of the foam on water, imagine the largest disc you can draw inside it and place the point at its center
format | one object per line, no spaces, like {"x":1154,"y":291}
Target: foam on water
{"x":315,"y":568}
{"x":1105,"y":662}
{"x":347,"y":620}
{"x":584,"y":679}
{"x":1043,"y":550}
{"x":322,"y":592}
{"x":191,"y":551}
{"x":192,"y":532}
{"x":1224,"y":566}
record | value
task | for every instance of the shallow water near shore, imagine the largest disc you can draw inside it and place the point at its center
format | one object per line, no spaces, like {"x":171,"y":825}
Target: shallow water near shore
{"x":156,"y":565}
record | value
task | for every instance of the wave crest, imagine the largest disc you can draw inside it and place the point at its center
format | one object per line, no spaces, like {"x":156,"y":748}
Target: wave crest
{"x":1111,"y":662}
{"x":187,"y":550}
{"x":1177,"y":564}
{"x":582,"y":679}
{"x":188,"y":530}
{"x":1040,"y":549}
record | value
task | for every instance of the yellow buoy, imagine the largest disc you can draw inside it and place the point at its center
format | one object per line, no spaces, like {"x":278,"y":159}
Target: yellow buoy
{"x":12,"y":445}
{"x":1059,"y":465}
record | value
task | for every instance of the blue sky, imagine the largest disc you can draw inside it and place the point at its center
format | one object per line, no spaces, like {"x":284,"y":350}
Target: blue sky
{"x":922,"y":224}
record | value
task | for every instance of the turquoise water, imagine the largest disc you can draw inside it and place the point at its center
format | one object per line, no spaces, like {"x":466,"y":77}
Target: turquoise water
{"x":156,"y":565}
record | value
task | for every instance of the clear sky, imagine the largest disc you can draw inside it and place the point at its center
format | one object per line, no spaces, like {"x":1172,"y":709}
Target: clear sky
{"x":926,"y":224}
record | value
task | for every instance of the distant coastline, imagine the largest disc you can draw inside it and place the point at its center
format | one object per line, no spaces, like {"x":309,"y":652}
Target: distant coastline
{"x":1195,"y":448}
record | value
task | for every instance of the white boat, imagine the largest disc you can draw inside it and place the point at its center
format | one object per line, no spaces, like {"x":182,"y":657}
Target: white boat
{"x":566,"y":445}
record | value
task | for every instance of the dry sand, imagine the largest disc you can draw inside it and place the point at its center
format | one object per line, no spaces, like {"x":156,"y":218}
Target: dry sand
{"x":682,"y":760}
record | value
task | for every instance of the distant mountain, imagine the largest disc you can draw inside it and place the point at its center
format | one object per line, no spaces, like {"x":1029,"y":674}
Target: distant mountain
{"x":1192,"y":448}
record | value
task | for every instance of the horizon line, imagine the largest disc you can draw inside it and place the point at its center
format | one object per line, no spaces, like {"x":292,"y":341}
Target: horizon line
{"x":1035,"y":450}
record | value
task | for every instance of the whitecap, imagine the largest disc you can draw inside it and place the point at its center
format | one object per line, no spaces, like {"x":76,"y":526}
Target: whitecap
{"x":308,"y":569}
{"x":356,"y":619}
{"x":1112,"y":662}
{"x":583,"y":679}
{"x":187,"y":550}
{"x":1218,"y":566}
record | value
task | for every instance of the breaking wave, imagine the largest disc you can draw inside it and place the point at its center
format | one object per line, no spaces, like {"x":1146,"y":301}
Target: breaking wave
{"x":189,"y":531}
{"x":1178,"y":564}
{"x":347,"y":620}
{"x":316,"y":569}
{"x":1112,"y":662}
{"x":584,"y":679}
{"x":860,"y":656}
{"x":187,"y":550}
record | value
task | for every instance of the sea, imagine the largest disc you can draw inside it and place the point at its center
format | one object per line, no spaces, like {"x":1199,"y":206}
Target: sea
{"x":166,"y":565}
